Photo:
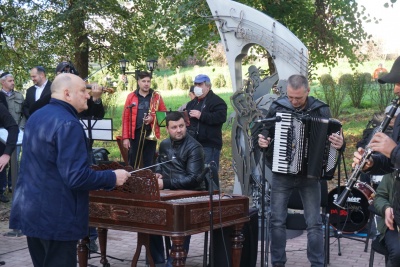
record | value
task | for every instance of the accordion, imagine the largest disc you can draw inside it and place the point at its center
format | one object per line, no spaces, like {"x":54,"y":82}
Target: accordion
{"x":301,"y":146}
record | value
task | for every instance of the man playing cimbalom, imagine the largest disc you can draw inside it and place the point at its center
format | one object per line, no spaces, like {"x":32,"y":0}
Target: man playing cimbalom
{"x":51,"y":199}
{"x":385,"y":159}
{"x":297,"y":101}
{"x":207,"y":112}
{"x":41,"y":87}
{"x":183,"y":172}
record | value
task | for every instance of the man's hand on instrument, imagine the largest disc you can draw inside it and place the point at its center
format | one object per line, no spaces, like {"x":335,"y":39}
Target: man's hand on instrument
{"x":4,"y":159}
{"x":263,"y":142}
{"x":160,"y":183}
{"x":357,"y":158}
{"x":159,"y":176}
{"x":336,"y":140}
{"x":382,"y":143}
{"x":389,"y":218}
{"x":96,"y":91}
{"x":148,"y":119}
{"x":126,"y":143}
{"x":122,"y":176}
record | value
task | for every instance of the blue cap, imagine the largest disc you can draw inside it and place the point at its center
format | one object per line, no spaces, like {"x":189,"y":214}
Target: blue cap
{"x":201,"y":78}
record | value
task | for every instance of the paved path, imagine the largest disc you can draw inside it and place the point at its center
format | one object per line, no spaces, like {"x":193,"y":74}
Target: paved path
{"x":14,"y":251}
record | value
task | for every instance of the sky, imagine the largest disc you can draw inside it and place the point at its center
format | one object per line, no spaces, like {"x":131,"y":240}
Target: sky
{"x":387,"y":29}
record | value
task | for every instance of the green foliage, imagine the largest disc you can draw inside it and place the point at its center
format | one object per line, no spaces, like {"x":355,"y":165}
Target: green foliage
{"x":333,"y":28}
{"x":381,"y":95}
{"x":183,"y":84}
{"x":219,"y":82}
{"x":355,"y":84}
{"x":333,"y":94}
{"x":175,"y":82}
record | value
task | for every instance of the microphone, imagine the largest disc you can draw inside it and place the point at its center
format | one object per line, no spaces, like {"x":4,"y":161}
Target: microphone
{"x":131,"y":105}
{"x":274,"y":119}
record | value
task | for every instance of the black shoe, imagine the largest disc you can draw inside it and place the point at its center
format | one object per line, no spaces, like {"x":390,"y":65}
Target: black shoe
{"x":4,"y":199}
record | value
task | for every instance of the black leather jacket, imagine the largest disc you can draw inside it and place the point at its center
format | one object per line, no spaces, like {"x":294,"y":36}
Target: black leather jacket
{"x":314,"y":108}
{"x":184,"y":171}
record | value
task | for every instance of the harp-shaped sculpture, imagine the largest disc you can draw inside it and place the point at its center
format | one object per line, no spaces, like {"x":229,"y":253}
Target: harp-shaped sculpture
{"x":241,"y":27}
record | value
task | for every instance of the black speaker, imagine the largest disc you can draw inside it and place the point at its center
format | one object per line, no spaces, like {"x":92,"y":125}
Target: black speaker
{"x":223,"y":245}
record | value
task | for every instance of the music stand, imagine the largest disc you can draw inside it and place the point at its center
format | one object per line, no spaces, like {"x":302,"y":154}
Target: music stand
{"x":14,"y":170}
{"x":98,"y":129}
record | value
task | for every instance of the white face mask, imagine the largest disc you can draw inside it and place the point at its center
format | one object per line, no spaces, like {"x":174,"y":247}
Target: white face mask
{"x":198,"y":91}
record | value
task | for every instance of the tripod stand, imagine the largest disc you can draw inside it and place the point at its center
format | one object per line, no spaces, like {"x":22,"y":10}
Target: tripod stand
{"x":344,"y":217}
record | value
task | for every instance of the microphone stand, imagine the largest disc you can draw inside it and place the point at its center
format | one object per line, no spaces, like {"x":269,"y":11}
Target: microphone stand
{"x":211,"y":212}
{"x":264,"y":253}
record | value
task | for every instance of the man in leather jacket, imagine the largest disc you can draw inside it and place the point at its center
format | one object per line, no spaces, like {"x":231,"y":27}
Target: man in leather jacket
{"x":282,"y":185}
{"x":187,"y":154}
{"x":183,"y":172}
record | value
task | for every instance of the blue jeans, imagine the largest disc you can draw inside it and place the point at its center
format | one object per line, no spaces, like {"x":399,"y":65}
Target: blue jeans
{"x":310,"y":193}
{"x":211,"y":154}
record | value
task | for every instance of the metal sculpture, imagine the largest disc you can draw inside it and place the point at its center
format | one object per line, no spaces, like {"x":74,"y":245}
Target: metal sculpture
{"x":240,"y":27}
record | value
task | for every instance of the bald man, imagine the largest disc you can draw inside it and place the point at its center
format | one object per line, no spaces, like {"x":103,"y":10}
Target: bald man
{"x":51,"y":199}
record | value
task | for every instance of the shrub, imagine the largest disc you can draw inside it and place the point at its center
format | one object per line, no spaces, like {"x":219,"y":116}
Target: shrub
{"x":333,"y":94}
{"x":183,"y":83}
{"x":355,"y":85}
{"x":219,"y":82}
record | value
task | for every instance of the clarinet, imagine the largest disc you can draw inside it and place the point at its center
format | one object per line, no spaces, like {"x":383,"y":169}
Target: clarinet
{"x":342,"y":199}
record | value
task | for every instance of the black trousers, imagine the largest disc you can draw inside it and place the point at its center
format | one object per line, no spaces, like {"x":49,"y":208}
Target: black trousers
{"x":48,"y":253}
{"x":144,"y":148}
{"x":392,"y":242}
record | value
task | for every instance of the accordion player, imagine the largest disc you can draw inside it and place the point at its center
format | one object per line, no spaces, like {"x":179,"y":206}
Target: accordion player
{"x":301,"y":146}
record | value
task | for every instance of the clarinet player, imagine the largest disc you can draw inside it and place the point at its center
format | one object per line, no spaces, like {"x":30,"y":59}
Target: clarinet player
{"x":386,"y":158}
{"x":297,"y":101}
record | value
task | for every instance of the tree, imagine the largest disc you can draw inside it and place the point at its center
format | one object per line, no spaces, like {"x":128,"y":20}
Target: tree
{"x":49,"y":31}
{"x":329,"y":29}
{"x":44,"y":32}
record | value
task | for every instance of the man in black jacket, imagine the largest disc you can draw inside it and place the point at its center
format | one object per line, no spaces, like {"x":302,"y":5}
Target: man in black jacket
{"x":183,"y":172}
{"x":384,"y":159}
{"x":207,"y":115}
{"x":41,"y":87}
{"x":282,"y":185}
{"x":187,"y":154}
{"x":7,"y":122}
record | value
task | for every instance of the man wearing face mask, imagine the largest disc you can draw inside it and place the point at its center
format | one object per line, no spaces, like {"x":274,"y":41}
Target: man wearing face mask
{"x":207,"y":112}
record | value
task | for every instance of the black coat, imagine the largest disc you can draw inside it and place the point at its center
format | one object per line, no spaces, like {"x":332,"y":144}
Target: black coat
{"x":7,"y":122}
{"x":184,"y":171}
{"x":30,"y":98}
{"x":208,"y":129}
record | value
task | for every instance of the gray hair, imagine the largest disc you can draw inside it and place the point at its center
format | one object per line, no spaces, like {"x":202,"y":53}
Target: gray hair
{"x":298,"y":81}
{"x":208,"y":84}
{"x":5,"y":77}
